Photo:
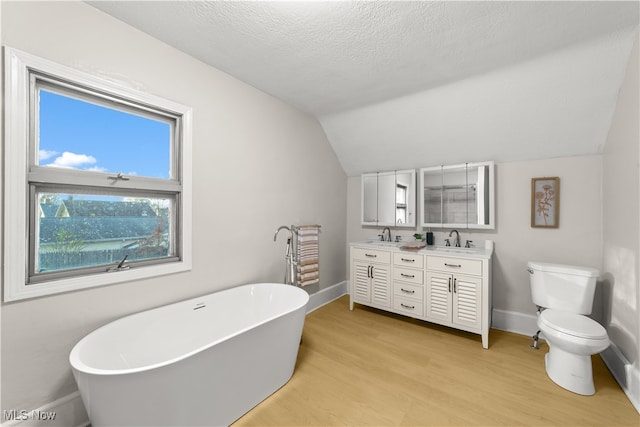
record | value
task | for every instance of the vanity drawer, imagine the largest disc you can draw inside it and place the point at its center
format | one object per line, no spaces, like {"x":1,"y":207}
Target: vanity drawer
{"x":455,"y":265}
{"x":408,"y":259}
{"x":411,"y":307}
{"x":372,"y":255}
{"x":408,"y":291}
{"x":408,"y":275}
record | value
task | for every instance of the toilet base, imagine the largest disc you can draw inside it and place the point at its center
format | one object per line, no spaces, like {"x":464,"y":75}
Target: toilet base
{"x":570,"y":371}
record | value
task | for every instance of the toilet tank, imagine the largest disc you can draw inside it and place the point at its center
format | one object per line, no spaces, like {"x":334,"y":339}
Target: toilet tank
{"x":562,"y":287}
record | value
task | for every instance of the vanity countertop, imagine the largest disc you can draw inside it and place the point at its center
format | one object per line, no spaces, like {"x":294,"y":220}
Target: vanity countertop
{"x":482,"y":252}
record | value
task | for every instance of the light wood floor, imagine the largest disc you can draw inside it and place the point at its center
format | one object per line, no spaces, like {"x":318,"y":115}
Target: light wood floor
{"x":368,"y":367}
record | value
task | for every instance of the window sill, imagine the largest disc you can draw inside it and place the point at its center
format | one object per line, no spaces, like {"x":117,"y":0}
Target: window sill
{"x":24,"y":291}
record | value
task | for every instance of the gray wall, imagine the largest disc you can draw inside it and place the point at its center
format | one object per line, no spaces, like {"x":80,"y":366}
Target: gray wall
{"x":258,"y":164}
{"x":577,"y":241}
{"x":621,"y":211}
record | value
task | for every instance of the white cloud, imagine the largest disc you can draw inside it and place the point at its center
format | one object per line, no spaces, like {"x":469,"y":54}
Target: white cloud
{"x":73,"y":161}
{"x":97,"y":169}
{"x":46,"y":154}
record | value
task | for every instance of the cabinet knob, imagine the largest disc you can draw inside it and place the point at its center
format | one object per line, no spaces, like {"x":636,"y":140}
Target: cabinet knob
{"x":453,"y":265}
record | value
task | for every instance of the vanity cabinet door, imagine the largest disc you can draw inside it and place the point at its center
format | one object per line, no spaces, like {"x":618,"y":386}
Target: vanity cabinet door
{"x":370,"y":277}
{"x":454,"y":298}
{"x":371,"y":283}
{"x":439,"y":296}
{"x":381,"y":285}
{"x":466,"y":300}
{"x":361,"y":288}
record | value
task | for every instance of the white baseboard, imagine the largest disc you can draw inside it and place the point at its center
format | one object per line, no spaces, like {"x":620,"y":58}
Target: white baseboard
{"x":627,"y":375}
{"x":326,"y":295}
{"x":513,"y":321}
{"x":64,"y":412}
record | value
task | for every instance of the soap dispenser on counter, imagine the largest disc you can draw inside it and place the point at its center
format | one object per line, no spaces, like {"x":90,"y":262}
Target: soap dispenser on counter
{"x":429,"y":237}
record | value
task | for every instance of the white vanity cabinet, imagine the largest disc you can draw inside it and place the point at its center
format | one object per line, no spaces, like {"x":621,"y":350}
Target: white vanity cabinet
{"x":435,"y":284}
{"x":457,"y":295}
{"x":371,"y":277}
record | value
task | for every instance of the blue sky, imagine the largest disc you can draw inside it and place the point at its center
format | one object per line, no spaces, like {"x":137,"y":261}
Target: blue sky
{"x":79,"y":135}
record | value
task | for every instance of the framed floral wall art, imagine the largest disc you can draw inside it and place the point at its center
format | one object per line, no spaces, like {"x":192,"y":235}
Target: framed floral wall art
{"x":545,"y":202}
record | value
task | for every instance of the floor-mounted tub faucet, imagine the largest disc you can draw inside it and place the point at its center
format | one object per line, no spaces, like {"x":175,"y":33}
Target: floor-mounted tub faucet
{"x":282,"y":227}
{"x":289,"y":256}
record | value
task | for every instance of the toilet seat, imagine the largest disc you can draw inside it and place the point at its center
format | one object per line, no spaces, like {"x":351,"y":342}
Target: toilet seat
{"x":572,"y":324}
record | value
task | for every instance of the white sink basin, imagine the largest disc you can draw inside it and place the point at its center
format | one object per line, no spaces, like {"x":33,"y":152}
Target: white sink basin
{"x":452,"y":249}
{"x":381,"y":243}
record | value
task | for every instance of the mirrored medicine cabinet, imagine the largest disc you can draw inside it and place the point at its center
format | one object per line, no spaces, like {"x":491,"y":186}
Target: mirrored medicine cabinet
{"x":389,"y":198}
{"x":458,"y":196}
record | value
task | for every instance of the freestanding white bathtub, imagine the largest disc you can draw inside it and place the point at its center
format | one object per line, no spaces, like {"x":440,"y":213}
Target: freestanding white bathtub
{"x":201,"y":362}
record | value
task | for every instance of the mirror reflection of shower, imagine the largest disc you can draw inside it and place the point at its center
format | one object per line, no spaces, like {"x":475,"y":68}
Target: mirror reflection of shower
{"x":289,"y":256}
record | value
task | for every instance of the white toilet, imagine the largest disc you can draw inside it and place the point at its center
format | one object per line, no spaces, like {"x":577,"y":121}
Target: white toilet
{"x":565,"y":293}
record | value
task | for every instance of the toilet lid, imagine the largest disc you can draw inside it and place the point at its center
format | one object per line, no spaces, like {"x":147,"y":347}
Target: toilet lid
{"x":573,"y":324}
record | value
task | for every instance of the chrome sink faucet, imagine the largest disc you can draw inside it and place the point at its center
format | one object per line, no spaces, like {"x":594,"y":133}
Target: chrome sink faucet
{"x":457,"y":245}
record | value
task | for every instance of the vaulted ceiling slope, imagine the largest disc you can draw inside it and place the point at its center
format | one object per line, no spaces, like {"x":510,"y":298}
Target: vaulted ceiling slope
{"x":410,"y":84}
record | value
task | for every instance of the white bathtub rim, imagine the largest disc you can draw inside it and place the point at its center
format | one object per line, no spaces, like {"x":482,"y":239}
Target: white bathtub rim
{"x":78,"y":365}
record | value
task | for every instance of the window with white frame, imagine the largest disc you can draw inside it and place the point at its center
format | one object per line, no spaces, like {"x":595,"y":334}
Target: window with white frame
{"x":97,"y":181}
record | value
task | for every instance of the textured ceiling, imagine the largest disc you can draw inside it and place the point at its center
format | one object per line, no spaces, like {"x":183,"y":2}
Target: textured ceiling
{"x":363,"y":68}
